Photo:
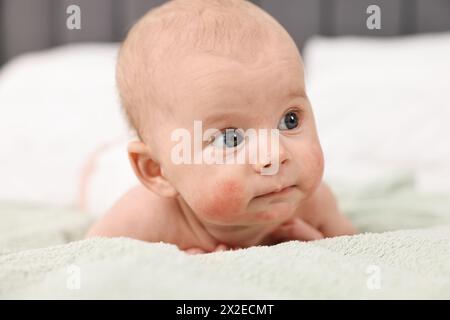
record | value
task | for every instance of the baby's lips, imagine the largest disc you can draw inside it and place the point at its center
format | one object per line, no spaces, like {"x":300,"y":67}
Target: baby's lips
{"x":274,"y":190}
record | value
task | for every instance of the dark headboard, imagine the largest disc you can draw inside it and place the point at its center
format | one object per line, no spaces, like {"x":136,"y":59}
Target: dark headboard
{"x":27,"y":25}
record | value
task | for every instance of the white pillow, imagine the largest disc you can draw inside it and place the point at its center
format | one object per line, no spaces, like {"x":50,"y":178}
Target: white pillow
{"x":382,"y":106}
{"x":56,"y":107}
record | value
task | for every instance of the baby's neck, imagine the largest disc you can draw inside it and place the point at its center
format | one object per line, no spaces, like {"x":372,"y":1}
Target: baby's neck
{"x":210,"y":235}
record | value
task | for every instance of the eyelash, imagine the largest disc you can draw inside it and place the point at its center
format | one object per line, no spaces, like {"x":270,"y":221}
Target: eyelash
{"x":299,"y":115}
{"x":213,"y":138}
{"x":295,"y":110}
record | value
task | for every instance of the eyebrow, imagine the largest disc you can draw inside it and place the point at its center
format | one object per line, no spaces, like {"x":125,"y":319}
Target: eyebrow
{"x":223,"y":117}
{"x":227,"y":116}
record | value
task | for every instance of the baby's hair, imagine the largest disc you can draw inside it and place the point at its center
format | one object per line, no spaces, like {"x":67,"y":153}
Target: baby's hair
{"x":236,"y":29}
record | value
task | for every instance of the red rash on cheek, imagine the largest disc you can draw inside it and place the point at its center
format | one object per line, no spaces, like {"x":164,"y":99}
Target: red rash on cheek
{"x":225,"y":201}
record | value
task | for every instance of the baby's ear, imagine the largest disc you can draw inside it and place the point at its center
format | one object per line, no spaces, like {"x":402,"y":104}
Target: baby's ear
{"x":148,"y":170}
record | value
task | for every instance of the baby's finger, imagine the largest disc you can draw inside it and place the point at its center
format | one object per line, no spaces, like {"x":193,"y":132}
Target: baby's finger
{"x":297,"y":230}
{"x":221,"y":247}
{"x":304,"y":231}
{"x":194,"y":251}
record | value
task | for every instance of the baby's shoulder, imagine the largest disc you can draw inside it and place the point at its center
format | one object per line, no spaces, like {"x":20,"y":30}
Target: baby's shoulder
{"x":140,"y":214}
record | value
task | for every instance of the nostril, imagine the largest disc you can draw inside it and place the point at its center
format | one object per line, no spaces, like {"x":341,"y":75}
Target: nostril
{"x":267,"y":166}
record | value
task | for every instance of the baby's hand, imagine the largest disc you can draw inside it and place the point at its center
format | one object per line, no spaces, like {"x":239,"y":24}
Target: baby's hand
{"x":295,"y":229}
{"x":220,"y":247}
{"x":194,"y":251}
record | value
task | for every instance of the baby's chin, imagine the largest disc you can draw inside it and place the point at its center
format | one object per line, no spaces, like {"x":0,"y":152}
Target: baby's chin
{"x":270,"y":211}
{"x":274,"y":210}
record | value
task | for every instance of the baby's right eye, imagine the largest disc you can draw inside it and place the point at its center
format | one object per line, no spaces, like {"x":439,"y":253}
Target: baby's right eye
{"x":229,"y":138}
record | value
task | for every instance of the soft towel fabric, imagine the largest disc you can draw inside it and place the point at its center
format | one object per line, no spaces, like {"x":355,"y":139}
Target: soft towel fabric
{"x":41,"y":254}
{"x":410,"y":264}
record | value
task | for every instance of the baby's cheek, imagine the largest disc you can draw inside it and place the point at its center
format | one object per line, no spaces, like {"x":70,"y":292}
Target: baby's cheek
{"x":312,"y":170}
{"x":223,"y":201}
{"x":318,"y":159}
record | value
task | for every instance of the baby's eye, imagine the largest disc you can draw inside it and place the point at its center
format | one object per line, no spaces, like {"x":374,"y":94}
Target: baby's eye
{"x":230,"y":138}
{"x":289,"y":121}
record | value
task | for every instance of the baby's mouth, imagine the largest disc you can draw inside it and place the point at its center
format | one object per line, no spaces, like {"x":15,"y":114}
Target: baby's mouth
{"x":277,"y":192}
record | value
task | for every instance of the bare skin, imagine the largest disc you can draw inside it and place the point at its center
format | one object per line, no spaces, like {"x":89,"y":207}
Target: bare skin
{"x":141,"y":215}
{"x":209,"y":207}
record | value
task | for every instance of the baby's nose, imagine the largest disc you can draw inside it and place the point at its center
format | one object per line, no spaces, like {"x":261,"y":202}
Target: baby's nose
{"x":270,"y":163}
{"x":265,"y":163}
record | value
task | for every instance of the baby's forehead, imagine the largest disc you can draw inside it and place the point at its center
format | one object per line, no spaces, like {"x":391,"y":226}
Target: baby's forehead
{"x":198,"y":82}
{"x":209,"y":76}
{"x":230,"y":94}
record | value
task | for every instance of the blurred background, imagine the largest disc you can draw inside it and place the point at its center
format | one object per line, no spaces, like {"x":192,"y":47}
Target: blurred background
{"x":381,"y":103}
{"x":27,"y":25}
{"x":380,"y":97}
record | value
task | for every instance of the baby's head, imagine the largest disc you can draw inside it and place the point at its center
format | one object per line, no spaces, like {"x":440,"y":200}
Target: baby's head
{"x":230,"y":65}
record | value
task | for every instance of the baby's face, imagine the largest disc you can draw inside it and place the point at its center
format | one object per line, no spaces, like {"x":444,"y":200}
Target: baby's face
{"x":225,"y":94}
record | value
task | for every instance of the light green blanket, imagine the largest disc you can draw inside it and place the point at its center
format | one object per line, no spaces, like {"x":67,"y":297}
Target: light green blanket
{"x":40,"y":257}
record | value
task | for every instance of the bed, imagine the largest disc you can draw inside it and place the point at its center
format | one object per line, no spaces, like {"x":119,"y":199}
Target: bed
{"x":381,"y":106}
{"x":42,"y":256}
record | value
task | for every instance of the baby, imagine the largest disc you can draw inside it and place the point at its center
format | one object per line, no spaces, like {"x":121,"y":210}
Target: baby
{"x":229,"y":66}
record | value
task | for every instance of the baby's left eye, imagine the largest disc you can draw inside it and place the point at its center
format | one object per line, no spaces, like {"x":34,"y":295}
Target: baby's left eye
{"x":289,"y":121}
